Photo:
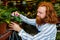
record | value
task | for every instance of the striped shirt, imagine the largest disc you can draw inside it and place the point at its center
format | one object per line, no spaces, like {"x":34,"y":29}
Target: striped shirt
{"x":47,"y":31}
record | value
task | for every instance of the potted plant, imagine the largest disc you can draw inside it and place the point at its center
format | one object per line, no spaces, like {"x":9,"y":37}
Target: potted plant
{"x":6,"y":18}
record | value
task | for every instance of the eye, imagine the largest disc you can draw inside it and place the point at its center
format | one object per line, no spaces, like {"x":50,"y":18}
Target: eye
{"x":40,"y":12}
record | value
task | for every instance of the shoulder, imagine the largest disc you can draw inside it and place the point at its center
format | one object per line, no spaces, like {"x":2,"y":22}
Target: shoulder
{"x":48,"y":26}
{"x":51,"y":26}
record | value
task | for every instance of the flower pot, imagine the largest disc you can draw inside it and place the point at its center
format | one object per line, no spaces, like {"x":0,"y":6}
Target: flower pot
{"x":3,"y":28}
{"x":6,"y":35}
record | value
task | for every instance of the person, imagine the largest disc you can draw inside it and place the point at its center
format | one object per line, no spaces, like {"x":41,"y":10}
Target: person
{"x":45,"y":22}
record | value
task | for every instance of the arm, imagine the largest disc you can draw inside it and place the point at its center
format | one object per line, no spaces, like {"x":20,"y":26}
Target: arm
{"x":45,"y":33}
{"x":25,"y":35}
{"x":27,"y":20}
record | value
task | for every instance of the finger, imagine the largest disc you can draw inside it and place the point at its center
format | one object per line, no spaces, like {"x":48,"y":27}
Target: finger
{"x":13,"y":23}
{"x":16,"y":13}
{"x":10,"y":26}
{"x":12,"y":13}
{"x":10,"y":29}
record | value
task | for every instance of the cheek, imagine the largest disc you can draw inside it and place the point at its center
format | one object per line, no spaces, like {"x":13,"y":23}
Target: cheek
{"x":43,"y":15}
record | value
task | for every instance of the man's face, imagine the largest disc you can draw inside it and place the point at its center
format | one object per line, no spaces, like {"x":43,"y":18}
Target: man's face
{"x":41,"y":13}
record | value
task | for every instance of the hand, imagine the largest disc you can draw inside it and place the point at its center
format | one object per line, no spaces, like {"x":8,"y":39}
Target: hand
{"x":15,"y":13}
{"x":15,"y":27}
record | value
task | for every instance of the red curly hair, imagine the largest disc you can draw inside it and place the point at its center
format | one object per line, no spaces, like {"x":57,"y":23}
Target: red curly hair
{"x":51,"y":16}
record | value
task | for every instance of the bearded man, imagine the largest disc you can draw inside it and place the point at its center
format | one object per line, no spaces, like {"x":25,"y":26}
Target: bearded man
{"x":45,"y":22}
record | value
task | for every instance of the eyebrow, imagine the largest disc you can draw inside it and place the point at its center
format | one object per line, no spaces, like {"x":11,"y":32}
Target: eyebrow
{"x":39,"y":12}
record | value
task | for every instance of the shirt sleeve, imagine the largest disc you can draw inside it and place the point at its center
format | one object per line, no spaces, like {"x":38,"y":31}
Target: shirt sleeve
{"x":47,"y":33}
{"x":27,"y":20}
{"x":44,"y":34}
{"x":25,"y":35}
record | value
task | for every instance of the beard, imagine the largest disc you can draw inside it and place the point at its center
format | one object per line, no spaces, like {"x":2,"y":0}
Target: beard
{"x":39,"y":20}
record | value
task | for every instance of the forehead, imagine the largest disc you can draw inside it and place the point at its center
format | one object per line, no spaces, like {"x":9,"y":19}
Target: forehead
{"x":42,"y":9}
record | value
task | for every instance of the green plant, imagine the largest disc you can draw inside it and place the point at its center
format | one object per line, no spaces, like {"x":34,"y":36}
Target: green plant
{"x":57,"y":8}
{"x":5,"y":15}
{"x":16,"y":19}
{"x":58,"y":36}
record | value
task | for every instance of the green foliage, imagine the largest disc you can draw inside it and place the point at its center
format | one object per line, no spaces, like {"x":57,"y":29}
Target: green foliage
{"x":57,"y":8}
{"x":16,"y":19}
{"x":5,"y":15}
{"x":58,"y":36}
